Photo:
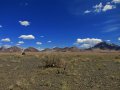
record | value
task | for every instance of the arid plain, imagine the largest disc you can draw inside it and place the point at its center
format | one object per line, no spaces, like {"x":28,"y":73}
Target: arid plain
{"x":89,"y":70}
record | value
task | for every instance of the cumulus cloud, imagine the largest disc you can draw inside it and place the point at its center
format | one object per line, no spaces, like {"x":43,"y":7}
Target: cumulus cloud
{"x":24,"y":23}
{"x":27,"y":37}
{"x":85,"y":46}
{"x":87,"y":42}
{"x":116,"y":1}
{"x":49,"y":41}
{"x":87,"y":11}
{"x":98,"y":7}
{"x":108,"y":7}
{"x":20,"y":42}
{"x":104,"y":7}
{"x":38,"y":43}
{"x":6,"y":40}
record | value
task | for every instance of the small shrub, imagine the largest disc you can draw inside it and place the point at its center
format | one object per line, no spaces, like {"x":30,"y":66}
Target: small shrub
{"x":23,"y":53}
{"x":117,"y":57}
{"x":54,"y":61}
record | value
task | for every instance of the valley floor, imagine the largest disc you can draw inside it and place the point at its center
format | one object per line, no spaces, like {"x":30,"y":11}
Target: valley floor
{"x":80,"y":71}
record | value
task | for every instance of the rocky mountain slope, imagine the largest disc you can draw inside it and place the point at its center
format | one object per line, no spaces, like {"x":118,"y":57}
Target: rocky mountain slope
{"x":106,"y":46}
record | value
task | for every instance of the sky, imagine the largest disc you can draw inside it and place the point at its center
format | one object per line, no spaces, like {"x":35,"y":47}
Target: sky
{"x":59,"y":23}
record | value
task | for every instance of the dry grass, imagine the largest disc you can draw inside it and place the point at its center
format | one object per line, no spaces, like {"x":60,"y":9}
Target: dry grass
{"x":54,"y":61}
{"x":60,"y":71}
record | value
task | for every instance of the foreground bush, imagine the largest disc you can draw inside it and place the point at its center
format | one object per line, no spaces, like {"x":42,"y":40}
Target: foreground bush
{"x":54,"y":61}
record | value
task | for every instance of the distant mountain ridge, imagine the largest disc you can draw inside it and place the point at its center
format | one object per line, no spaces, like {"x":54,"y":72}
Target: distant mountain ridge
{"x":13,"y":49}
{"x":18,"y":49}
{"x":10,"y":49}
{"x":31,"y":49}
{"x":66,"y":49}
{"x":99,"y":46}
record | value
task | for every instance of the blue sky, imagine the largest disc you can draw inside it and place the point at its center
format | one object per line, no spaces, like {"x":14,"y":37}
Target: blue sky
{"x":50,"y":23}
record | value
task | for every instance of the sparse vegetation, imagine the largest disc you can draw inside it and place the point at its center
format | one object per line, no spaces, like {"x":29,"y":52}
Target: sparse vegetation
{"x":117,"y":57}
{"x":60,"y":71}
{"x":54,"y":61}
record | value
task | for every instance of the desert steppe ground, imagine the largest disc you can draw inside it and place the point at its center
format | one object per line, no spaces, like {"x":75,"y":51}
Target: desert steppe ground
{"x":60,"y":71}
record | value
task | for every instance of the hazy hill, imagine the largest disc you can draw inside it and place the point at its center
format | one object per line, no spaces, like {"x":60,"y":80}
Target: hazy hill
{"x":10,"y":49}
{"x":31,"y":49}
{"x":13,"y":49}
{"x":57,"y":49}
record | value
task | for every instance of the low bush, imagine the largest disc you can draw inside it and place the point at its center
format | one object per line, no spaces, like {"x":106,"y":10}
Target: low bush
{"x":54,"y":61}
{"x":117,"y":57}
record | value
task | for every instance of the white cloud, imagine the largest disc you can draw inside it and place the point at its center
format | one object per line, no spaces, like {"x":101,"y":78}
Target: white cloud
{"x":87,"y":11}
{"x":85,"y":46}
{"x":24,"y":23}
{"x":119,"y":38}
{"x":108,"y":7}
{"x":1,"y":26}
{"x":116,"y":1}
{"x":87,"y":42}
{"x":98,"y":7}
{"x":27,"y":37}
{"x":6,"y":40}
{"x":108,"y":40}
{"x":20,"y":42}
{"x":103,"y":8}
{"x":38,"y":43}
{"x":49,"y":41}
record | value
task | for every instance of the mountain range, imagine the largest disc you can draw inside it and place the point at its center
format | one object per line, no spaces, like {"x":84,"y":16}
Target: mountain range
{"x":18,"y":49}
{"x":100,"y":46}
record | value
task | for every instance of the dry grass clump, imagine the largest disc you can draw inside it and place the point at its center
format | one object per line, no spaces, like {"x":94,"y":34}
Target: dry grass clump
{"x":54,"y":61}
{"x":117,"y":57}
